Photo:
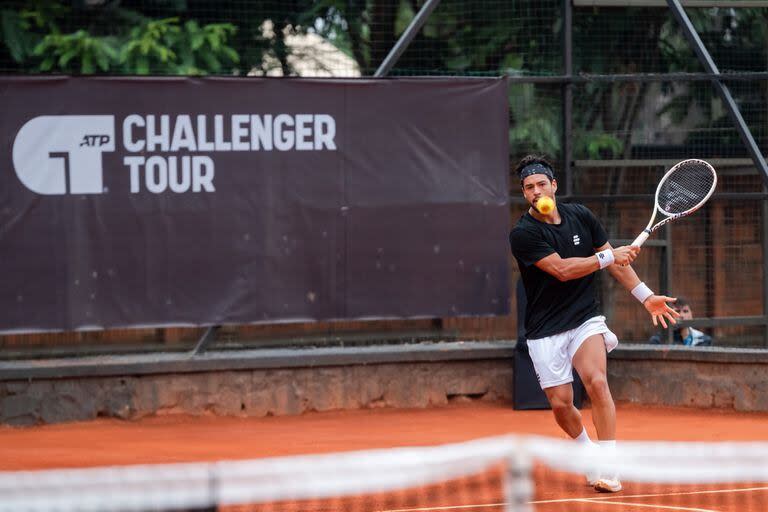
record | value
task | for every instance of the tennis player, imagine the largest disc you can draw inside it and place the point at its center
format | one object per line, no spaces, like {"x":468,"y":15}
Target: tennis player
{"x":558,"y":255}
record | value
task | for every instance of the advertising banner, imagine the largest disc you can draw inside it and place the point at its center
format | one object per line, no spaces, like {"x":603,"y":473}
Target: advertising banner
{"x":133,"y":202}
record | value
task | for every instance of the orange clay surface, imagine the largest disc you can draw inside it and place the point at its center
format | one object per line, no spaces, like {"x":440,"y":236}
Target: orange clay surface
{"x":176,"y":438}
{"x":165,"y":439}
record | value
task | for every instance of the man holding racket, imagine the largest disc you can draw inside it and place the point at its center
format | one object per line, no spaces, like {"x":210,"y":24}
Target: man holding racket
{"x":558,"y":254}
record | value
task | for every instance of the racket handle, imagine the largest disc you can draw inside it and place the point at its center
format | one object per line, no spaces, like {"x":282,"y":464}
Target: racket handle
{"x":640,"y":240}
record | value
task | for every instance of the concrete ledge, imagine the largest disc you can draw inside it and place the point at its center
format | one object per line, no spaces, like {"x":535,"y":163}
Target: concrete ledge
{"x":226,"y":360}
{"x":254,"y":359}
{"x":644,"y":352}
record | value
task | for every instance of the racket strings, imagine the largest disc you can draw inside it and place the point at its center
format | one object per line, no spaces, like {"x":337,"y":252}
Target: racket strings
{"x":686,"y":187}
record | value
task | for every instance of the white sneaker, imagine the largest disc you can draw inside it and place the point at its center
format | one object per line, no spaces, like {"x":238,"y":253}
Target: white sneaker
{"x":608,"y":485}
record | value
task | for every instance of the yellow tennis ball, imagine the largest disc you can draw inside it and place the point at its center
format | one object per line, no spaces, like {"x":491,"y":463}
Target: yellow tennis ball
{"x":545,"y":205}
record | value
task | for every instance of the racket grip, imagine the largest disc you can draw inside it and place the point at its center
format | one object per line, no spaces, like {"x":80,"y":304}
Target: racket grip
{"x":640,"y":240}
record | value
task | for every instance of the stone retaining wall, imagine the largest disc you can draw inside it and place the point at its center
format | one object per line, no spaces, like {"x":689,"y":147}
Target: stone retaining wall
{"x":279,"y":382}
{"x":690,"y":377}
{"x":254,"y":393}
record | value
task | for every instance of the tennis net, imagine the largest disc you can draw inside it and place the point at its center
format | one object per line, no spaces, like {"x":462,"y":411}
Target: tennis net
{"x":509,"y":473}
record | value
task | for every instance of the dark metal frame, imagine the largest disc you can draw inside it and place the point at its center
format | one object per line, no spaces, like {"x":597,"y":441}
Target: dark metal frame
{"x":206,"y":339}
{"x":733,"y":110}
{"x":567,"y":82}
{"x":662,"y":3}
{"x":405,"y":39}
{"x":569,"y":79}
{"x":735,"y":114}
{"x":568,"y":96}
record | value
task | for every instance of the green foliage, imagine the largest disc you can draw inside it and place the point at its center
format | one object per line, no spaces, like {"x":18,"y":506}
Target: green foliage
{"x":38,"y":41}
{"x":204,"y":49}
{"x":185,"y":50}
{"x":79,"y":52}
{"x":23,"y":28}
{"x":598,"y":145}
{"x":736,"y":40}
{"x":16,"y":36}
{"x":461,"y":37}
{"x":535,"y":121}
{"x":150,"y":46}
{"x":535,"y":134}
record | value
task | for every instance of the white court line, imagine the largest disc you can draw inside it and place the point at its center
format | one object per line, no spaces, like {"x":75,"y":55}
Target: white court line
{"x":628,"y":504}
{"x":585,"y":500}
{"x":592,"y":500}
{"x":446,"y":507}
{"x":562,"y":500}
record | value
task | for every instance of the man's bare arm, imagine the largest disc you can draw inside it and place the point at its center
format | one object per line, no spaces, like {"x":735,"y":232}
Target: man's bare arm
{"x":656,"y":305}
{"x":624,"y":274}
{"x":566,"y":269}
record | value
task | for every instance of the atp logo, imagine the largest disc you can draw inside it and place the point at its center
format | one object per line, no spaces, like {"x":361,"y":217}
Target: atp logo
{"x":58,"y":155}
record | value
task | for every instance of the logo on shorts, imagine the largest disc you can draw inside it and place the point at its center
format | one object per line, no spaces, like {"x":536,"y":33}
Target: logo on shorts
{"x":576,"y":240}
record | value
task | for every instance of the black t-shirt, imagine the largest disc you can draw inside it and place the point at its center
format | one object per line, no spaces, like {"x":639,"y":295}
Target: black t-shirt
{"x":555,"y":306}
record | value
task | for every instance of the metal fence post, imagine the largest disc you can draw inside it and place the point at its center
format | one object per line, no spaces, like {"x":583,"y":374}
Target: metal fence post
{"x":405,"y":40}
{"x":733,"y":110}
{"x":568,"y":96}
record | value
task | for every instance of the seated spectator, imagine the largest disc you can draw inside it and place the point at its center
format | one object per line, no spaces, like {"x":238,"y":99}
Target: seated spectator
{"x":681,"y":334}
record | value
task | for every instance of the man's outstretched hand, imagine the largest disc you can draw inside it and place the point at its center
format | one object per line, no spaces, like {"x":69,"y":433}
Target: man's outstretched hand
{"x":659,"y":309}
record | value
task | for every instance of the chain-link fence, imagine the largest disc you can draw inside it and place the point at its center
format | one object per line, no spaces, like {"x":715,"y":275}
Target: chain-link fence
{"x":614,"y":94}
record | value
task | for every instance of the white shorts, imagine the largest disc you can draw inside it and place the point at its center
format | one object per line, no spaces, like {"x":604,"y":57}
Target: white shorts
{"x":553,"y":356}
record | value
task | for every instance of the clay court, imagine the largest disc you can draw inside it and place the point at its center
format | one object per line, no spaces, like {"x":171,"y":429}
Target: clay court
{"x":324,"y":256}
{"x":176,"y":438}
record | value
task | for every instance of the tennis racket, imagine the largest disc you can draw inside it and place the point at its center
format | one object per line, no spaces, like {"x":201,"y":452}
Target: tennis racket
{"x":682,"y":190}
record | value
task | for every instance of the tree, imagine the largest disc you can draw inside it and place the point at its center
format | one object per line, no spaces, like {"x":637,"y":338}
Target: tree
{"x":49,"y":37}
{"x":735,"y":38}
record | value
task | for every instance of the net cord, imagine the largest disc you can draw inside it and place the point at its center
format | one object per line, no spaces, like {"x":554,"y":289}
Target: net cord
{"x":178,"y":486}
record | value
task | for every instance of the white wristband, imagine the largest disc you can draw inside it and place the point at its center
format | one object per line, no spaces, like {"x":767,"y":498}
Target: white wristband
{"x":641,"y":292}
{"x":605,"y":258}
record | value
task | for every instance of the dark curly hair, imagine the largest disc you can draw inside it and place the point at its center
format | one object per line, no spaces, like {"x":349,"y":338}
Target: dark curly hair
{"x":533,"y":159}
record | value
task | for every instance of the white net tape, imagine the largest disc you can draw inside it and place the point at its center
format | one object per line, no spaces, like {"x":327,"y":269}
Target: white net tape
{"x":199,"y":485}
